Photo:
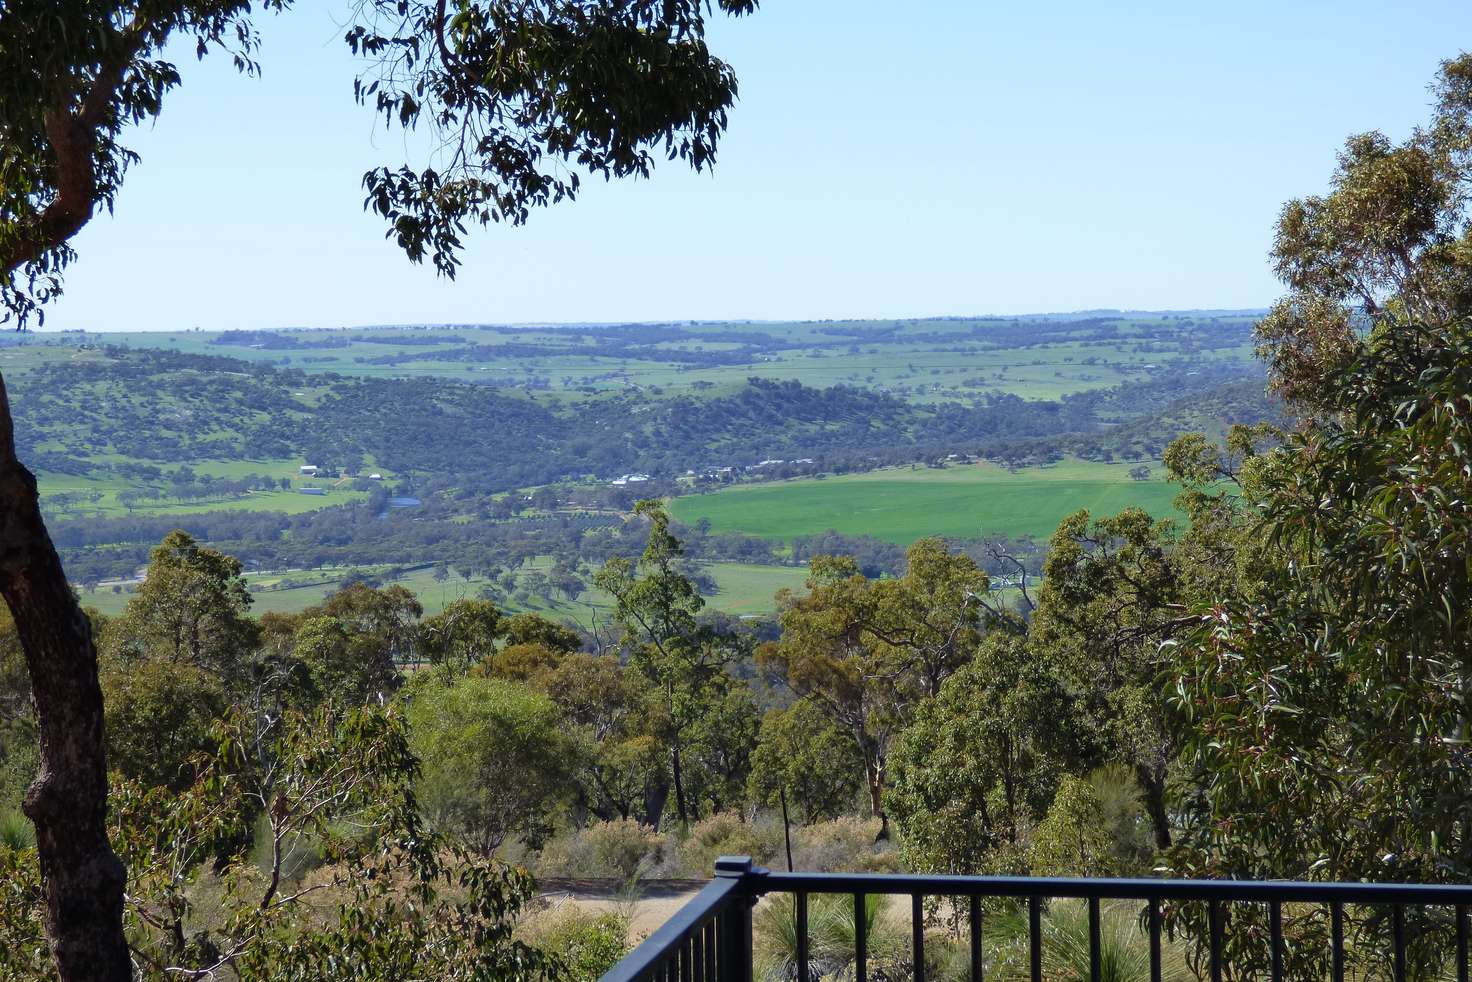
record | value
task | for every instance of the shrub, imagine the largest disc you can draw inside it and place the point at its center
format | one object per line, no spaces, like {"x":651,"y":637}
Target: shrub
{"x":1073,"y":839}
{"x":844,"y":844}
{"x":586,"y":944}
{"x":1124,"y":950}
{"x":724,"y":834}
{"x":622,"y":849}
{"x":831,"y":937}
{"x":300,"y":855}
{"x":16,"y":831}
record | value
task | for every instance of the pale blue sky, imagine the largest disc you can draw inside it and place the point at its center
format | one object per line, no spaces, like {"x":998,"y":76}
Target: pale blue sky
{"x":885,"y":159}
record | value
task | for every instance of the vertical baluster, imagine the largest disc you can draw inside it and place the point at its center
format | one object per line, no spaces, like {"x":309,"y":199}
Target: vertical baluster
{"x":1154,"y":940}
{"x":1094,"y":945}
{"x":1214,"y":917}
{"x":917,"y":921}
{"x":735,"y":941}
{"x":802,"y":937}
{"x":861,"y":939}
{"x":1461,"y":944}
{"x":1275,"y":938}
{"x":1398,"y":926}
{"x":1336,"y":927}
{"x":1035,"y":936}
{"x":686,"y":961}
{"x":697,"y":955}
{"x":710,"y":951}
{"x":976,"y":965}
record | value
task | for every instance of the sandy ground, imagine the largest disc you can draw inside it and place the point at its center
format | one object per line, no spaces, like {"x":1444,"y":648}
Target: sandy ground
{"x":648,"y":906}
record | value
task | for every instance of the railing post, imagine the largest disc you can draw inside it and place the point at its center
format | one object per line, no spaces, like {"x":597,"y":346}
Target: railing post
{"x":733,"y":948}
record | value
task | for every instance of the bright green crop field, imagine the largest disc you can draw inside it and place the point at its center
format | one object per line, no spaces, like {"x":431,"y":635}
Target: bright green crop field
{"x":901,"y":504}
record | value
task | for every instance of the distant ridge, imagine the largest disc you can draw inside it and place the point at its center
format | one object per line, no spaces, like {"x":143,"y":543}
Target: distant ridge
{"x":1069,"y":315}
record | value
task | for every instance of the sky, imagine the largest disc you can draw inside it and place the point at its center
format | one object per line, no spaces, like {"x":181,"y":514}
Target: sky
{"x":901,"y":159}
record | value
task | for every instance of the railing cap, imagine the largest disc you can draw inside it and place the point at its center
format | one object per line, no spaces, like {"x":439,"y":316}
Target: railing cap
{"x":735,"y":867}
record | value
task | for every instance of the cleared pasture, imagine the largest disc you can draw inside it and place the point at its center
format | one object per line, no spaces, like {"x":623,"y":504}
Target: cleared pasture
{"x":904,"y":504}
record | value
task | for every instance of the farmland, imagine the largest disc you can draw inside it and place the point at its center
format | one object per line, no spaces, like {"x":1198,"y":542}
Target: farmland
{"x":901,"y":505}
{"x":493,"y":446}
{"x":742,"y":589}
{"x":924,"y":361}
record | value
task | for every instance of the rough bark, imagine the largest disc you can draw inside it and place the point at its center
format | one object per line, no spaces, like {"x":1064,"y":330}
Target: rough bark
{"x":83,"y":879}
{"x":1153,"y":786}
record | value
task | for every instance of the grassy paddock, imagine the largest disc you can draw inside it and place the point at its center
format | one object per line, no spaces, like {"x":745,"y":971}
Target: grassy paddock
{"x":902,"y":504}
{"x":743,"y":588}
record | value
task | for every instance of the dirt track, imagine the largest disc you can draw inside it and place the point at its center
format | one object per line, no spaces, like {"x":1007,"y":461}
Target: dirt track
{"x":649,"y":905}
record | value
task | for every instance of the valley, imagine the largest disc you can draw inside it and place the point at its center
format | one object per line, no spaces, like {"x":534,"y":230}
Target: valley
{"x":483,"y":453}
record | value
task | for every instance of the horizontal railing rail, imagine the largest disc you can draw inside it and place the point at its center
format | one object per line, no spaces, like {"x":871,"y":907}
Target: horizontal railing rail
{"x":710,"y":938}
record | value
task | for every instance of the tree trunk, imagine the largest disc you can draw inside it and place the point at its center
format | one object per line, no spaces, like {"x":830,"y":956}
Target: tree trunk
{"x":82,"y":878}
{"x":675,"y":772}
{"x":655,"y":796}
{"x":786,"y":826}
{"x":874,"y":773}
{"x":1153,"y":786}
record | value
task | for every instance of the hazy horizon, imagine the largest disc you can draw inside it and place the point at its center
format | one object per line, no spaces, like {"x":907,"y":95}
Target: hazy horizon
{"x":552,"y":325}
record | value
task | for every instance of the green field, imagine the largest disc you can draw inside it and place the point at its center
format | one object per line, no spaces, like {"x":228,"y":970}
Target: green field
{"x":744,"y":588}
{"x":69,"y":495}
{"x":904,"y":504}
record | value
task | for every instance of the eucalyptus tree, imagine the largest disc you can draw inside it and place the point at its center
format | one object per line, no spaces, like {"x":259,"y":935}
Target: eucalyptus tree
{"x":686,"y":660}
{"x":1325,"y":701}
{"x":1112,"y":592}
{"x":522,"y":98}
{"x":868,"y":652}
{"x":1387,"y":245}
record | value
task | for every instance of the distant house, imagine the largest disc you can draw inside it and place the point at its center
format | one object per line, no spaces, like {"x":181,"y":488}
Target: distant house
{"x":307,"y":469}
{"x":375,"y":477}
{"x":312,"y":490}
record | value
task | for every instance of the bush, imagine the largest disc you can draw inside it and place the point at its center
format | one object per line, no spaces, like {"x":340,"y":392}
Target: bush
{"x":1124,"y":950}
{"x":724,"y":834}
{"x":586,"y":944}
{"x":300,"y":855}
{"x":832,"y":931}
{"x":16,"y":831}
{"x":1073,"y":839}
{"x":844,"y":844}
{"x":622,"y":849}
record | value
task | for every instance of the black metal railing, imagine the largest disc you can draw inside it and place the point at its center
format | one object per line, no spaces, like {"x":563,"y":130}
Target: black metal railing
{"x":710,"y":938}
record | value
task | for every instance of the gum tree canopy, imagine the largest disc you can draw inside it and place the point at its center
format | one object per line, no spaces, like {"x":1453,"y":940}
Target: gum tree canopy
{"x":522,"y":96}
